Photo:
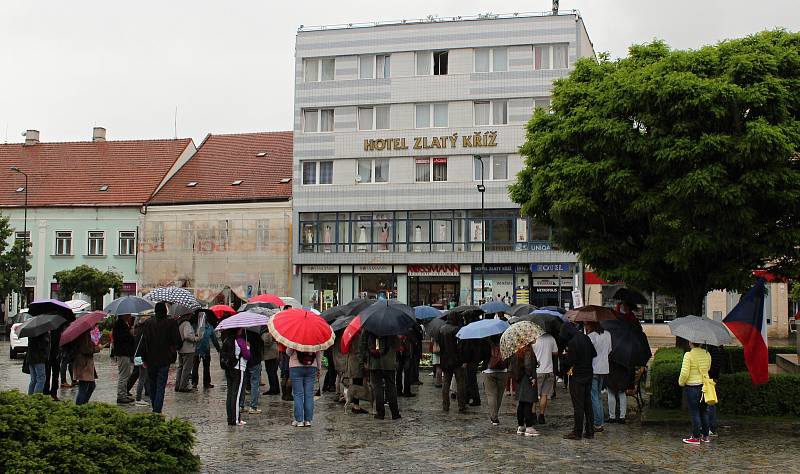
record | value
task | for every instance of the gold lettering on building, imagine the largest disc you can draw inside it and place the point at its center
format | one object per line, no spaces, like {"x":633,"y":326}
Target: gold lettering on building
{"x":475,"y":140}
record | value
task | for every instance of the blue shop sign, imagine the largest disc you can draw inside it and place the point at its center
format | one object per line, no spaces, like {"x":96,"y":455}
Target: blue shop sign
{"x":550,"y":267}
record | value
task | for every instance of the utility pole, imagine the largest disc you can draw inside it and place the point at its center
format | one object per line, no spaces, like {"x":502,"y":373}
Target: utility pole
{"x":24,"y":240}
{"x":482,"y":190}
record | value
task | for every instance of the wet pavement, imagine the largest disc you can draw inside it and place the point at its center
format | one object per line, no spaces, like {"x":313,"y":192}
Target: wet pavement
{"x":428,"y":440}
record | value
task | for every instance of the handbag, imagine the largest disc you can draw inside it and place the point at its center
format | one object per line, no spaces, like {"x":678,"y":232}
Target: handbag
{"x":709,"y":391}
{"x":137,"y":359}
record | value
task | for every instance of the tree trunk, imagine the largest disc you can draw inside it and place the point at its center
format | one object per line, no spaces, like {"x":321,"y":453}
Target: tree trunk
{"x":690,"y":302}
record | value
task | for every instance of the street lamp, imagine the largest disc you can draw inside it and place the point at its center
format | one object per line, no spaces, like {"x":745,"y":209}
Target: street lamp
{"x":482,"y":190}
{"x":24,"y":237}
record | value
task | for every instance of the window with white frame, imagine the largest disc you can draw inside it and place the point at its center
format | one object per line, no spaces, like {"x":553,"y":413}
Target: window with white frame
{"x":543,"y":103}
{"x":25,"y":237}
{"x":551,"y":56}
{"x":262,"y":234}
{"x":431,"y":63}
{"x":318,"y":120}
{"x":317,"y":172}
{"x":373,"y":170}
{"x":495,"y":167}
{"x":430,"y":115}
{"x":428,"y":169}
{"x":97,"y":243}
{"x":127,"y":242}
{"x":491,"y":59}
{"x":63,"y":242}
{"x":319,"y":69}
{"x":491,"y":112}
{"x":374,"y":66}
{"x":373,"y":118}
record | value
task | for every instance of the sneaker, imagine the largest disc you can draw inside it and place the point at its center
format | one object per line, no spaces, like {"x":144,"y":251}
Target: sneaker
{"x":396,"y":416}
{"x":520,"y":430}
{"x":599,"y":429}
{"x":531,"y":432}
{"x":241,"y":423}
{"x":124,"y":401}
{"x":705,"y":439}
{"x":141,"y":403}
{"x":306,"y":423}
{"x":254,"y":411}
{"x":691,"y":440}
{"x":713,"y":434}
{"x":495,"y":422}
{"x":541,"y":419}
{"x":572,"y":435}
{"x":297,"y":423}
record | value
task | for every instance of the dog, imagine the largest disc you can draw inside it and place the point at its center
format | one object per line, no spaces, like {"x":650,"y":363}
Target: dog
{"x":360,"y":392}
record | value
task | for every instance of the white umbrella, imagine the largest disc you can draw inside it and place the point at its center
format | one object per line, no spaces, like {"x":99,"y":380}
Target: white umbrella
{"x":700,"y":330}
{"x":78,"y":305}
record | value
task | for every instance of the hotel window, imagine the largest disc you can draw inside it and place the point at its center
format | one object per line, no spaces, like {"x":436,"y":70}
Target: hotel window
{"x":431,"y":115}
{"x":491,"y":59}
{"x":262,"y":234}
{"x":373,"y":66}
{"x":317,"y":70}
{"x":550,"y":56}
{"x":494,"y":112}
{"x":431,"y":62}
{"x":427,"y":168}
{"x":127,"y":242}
{"x":96,"y":242}
{"x":318,"y":172}
{"x":64,"y":242}
{"x":373,"y":170}
{"x":318,"y":120}
{"x":373,"y":118}
{"x":495,"y":166}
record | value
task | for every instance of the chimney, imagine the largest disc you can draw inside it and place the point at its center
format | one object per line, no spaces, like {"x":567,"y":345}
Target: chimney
{"x":31,"y":137}
{"x":555,"y":7}
{"x":98,"y":134}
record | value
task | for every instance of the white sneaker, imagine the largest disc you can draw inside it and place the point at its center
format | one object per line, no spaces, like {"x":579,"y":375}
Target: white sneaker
{"x":241,"y":422}
{"x":306,"y":423}
{"x":520,"y":430}
{"x":531,"y":432}
{"x":141,"y":403}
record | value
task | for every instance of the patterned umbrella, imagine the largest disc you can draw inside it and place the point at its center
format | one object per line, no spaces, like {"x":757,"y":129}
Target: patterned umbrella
{"x":517,"y":336}
{"x":78,"y":305}
{"x":222,"y":311}
{"x":267,"y":298}
{"x":129,"y":305}
{"x":243,"y":320}
{"x":171,"y":294}
{"x":301,"y":330}
{"x":81,"y":325}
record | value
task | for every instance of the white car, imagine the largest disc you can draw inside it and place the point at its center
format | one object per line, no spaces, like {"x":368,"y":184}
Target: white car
{"x":17,"y":344}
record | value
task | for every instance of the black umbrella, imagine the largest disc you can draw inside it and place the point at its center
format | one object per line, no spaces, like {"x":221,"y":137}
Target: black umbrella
{"x":341,"y":322}
{"x":432,"y":327}
{"x":350,"y":309}
{"x":630,"y":296}
{"x":41,"y":324}
{"x":129,"y":305}
{"x":385,"y":318}
{"x":468,"y":313}
{"x":554,"y":308}
{"x":629,"y":345}
{"x":521,"y":309}
{"x":551,"y":324}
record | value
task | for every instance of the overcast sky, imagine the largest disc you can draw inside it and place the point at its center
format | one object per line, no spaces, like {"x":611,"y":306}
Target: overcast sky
{"x":66,"y":66}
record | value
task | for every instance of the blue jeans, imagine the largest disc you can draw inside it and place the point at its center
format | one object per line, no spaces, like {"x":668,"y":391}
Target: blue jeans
{"x":85,"y":390}
{"x":712,"y":418}
{"x":253,"y":374}
{"x":597,"y":402}
{"x":303,"y":379}
{"x":697,"y":410}
{"x":37,"y":378}
{"x":157,"y":376}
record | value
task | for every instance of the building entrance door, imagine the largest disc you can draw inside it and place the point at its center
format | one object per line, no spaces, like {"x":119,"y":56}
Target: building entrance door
{"x":431,"y":291}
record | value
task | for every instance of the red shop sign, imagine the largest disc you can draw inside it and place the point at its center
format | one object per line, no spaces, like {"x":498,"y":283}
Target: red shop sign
{"x":449,"y":269}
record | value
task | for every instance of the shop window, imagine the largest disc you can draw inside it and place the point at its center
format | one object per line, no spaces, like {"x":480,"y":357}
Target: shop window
{"x":382,"y":232}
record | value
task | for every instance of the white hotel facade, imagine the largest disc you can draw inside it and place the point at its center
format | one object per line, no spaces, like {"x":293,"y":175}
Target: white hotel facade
{"x":392,"y":122}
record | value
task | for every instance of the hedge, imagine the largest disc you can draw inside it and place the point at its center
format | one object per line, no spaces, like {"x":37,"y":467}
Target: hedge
{"x":737,"y":394}
{"x":38,"y":434}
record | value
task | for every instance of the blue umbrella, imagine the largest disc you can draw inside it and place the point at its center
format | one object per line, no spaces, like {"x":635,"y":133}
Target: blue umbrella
{"x":495,"y":307}
{"x":482,"y":328}
{"x":426,"y":312}
{"x":548,"y":312}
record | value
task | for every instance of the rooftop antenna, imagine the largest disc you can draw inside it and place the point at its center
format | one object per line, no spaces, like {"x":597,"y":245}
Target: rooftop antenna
{"x":555,"y":7}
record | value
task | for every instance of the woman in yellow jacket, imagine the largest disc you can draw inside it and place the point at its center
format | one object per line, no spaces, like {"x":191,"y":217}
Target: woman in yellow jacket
{"x":695,"y":367}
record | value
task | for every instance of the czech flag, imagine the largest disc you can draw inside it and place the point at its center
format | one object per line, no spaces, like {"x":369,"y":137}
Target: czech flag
{"x":746,"y":322}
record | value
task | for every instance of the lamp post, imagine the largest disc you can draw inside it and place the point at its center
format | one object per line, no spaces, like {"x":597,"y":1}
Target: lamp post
{"x":24,"y":237}
{"x":482,"y":190}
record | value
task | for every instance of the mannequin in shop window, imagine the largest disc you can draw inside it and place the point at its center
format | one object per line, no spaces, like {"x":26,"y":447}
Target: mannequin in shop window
{"x":384,"y":238}
{"x":441,"y":236}
{"x":308,"y":238}
{"x":362,"y":238}
{"x":418,"y":238}
{"x":326,"y":238}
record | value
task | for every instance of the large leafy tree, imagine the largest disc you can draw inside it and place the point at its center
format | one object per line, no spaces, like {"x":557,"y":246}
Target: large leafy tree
{"x":89,"y":281}
{"x":675,"y":171}
{"x":13,"y":264}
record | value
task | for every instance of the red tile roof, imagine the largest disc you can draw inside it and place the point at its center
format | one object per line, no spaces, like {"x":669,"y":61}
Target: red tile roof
{"x":222,"y":160}
{"x":72,"y":173}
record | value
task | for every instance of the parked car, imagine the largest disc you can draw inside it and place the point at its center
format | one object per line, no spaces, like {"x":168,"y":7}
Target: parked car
{"x":17,"y":344}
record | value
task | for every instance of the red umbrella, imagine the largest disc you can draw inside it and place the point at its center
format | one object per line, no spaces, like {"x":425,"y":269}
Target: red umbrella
{"x":350,"y":333}
{"x":81,"y":325}
{"x":267,"y":298}
{"x":301,"y":330}
{"x":222,"y":311}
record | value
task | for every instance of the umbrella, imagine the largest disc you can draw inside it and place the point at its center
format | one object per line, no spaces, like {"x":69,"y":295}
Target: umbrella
{"x":258,"y":304}
{"x":309,"y":308}
{"x":426,"y":312}
{"x":388,"y":318}
{"x":432,"y":327}
{"x":350,"y":309}
{"x":551,"y":324}
{"x":350,"y":332}
{"x":301,"y":330}
{"x":174,"y":295}
{"x":630,"y":296}
{"x":51,"y":307}
{"x":517,"y":336}
{"x":482,"y":328}
{"x":341,"y":322}
{"x":267,"y":298}
{"x":700,"y":330}
{"x":591,"y":313}
{"x":629,"y":345}
{"x":291,"y":302}
{"x":468,"y":312}
{"x":243,"y":320}
{"x":78,"y":305}
{"x":81,"y":325}
{"x":495,"y":307}
{"x":177,"y":310}
{"x":38,"y":325}
{"x":222,"y":311}
{"x":129,"y":305}
{"x":268,"y":312}
{"x":555,"y":308}
{"x":521,"y":309}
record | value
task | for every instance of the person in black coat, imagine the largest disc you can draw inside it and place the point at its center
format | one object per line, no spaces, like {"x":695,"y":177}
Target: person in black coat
{"x":53,"y":366}
{"x":123,"y":349}
{"x":580,"y":352}
{"x":160,"y":342}
{"x":452,"y":362}
{"x":36,"y":357}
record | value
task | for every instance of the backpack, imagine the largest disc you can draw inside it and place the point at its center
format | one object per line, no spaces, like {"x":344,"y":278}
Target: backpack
{"x":227,"y":356}
{"x":306,"y":358}
{"x":377,"y":346}
{"x":496,"y":361}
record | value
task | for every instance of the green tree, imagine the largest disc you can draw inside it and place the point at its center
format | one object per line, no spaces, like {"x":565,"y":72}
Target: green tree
{"x":89,"y":281}
{"x":13,"y":264}
{"x":675,"y":171}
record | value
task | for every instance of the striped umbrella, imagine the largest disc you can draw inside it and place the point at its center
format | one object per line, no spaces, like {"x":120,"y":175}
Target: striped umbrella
{"x":171,"y":294}
{"x":243,"y":320}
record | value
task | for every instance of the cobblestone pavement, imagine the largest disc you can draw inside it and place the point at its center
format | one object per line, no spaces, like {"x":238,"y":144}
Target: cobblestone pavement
{"x":427,"y":440}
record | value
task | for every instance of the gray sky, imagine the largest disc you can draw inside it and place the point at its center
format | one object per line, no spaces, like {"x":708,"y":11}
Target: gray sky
{"x":70,"y":65}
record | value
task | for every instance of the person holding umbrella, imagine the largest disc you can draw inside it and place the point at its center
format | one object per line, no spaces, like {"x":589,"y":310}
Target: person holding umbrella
{"x":378,"y":355}
{"x":694,"y":370}
{"x":160,"y":339}
{"x":36,"y":357}
{"x":203,"y":348}
{"x":123,"y":350}
{"x":601,"y":340}
{"x":77,"y":339}
{"x":580,"y":353}
{"x":452,"y":362}
{"x":186,"y":354}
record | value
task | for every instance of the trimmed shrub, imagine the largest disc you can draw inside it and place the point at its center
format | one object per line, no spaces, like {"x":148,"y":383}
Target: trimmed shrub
{"x":664,"y":371}
{"x":38,"y":434}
